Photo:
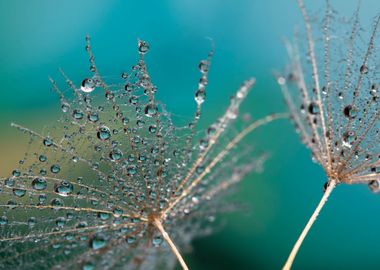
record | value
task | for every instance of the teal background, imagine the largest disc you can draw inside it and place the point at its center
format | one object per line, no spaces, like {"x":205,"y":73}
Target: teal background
{"x":39,"y":36}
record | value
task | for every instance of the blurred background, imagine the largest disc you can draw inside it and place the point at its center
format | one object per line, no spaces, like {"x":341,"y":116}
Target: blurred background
{"x":39,"y":36}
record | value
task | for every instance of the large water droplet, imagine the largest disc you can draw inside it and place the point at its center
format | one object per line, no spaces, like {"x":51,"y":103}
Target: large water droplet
{"x":39,"y":183}
{"x":64,"y":189}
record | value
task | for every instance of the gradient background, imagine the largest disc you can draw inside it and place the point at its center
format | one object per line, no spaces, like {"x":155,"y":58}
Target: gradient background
{"x":37,"y":37}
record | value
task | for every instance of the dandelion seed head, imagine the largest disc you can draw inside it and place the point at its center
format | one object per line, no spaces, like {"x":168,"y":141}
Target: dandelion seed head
{"x":331,"y":88}
{"x":91,"y":188}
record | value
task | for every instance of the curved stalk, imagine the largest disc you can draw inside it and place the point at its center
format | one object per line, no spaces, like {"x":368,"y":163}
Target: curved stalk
{"x":310,"y":223}
{"x":173,"y":247}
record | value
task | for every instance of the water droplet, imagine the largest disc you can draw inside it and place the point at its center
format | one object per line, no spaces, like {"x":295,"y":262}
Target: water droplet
{"x":143,"y":46}
{"x":65,"y":107}
{"x":103,"y":216}
{"x":157,"y":241}
{"x":117,"y":212}
{"x":88,"y":85}
{"x":200,"y":96}
{"x":350,"y":112}
{"x":42,"y":158}
{"x":32,"y":221}
{"x":124,"y":75}
{"x":16,"y":173}
{"x":104,"y":133}
{"x":88,"y":266}
{"x":131,"y":239}
{"x":55,"y":168}
{"x":93,"y":117}
{"x":313,"y":108}
{"x":56,"y":203}
{"x":363,"y":69}
{"x":203,"y":144}
{"x":116,"y":155}
{"x":3,"y":220}
{"x":125,"y":120}
{"x":77,"y":114}
{"x":47,"y":142}
{"x":374,"y":186}
{"x":64,"y":188}
{"x":203,"y":66}
{"x":131,"y":170}
{"x":150,"y":110}
{"x":19,"y":192}
{"x":60,"y":222}
{"x":39,"y":183}
{"x":98,"y":242}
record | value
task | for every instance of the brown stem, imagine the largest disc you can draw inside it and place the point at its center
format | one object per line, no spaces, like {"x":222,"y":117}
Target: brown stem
{"x":173,"y":247}
{"x":310,"y":223}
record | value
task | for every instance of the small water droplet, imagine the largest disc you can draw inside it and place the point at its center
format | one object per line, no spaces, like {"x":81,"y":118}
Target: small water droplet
{"x":88,"y":85}
{"x":104,"y":133}
{"x":55,"y":168}
{"x":200,"y":96}
{"x":143,"y":46}
{"x":313,"y":108}
{"x":363,"y":69}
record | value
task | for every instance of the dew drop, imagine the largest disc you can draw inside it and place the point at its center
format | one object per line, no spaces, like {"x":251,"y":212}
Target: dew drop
{"x":64,"y":189}
{"x":104,"y":133}
{"x":313,"y":108}
{"x":363,"y":69}
{"x":60,"y":222}
{"x":93,"y":117}
{"x":203,"y":66}
{"x":350,"y":112}
{"x":32,"y":221}
{"x":157,"y":241}
{"x":19,"y":192}
{"x":374,"y":186}
{"x":77,"y":114}
{"x":88,"y":85}
{"x":16,"y":173}
{"x":150,"y":110}
{"x":143,"y":46}
{"x":3,"y":220}
{"x":98,"y":242}
{"x":55,"y":168}
{"x":116,"y":155}
{"x":200,"y":96}
{"x":42,"y":158}
{"x":39,"y":183}
{"x":47,"y":142}
{"x":65,"y":107}
{"x":56,"y":203}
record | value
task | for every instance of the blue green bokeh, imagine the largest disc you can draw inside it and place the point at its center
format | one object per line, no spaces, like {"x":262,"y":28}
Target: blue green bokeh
{"x":39,"y":36}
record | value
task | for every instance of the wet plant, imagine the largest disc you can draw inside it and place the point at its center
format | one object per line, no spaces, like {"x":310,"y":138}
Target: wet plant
{"x":331,"y":87}
{"x":116,"y":184}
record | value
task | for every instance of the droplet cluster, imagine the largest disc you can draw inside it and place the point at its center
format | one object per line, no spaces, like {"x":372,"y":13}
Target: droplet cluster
{"x":86,"y":193}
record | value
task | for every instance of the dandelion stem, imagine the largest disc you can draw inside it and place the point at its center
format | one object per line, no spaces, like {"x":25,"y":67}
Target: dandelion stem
{"x":310,"y":223}
{"x":173,"y":247}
